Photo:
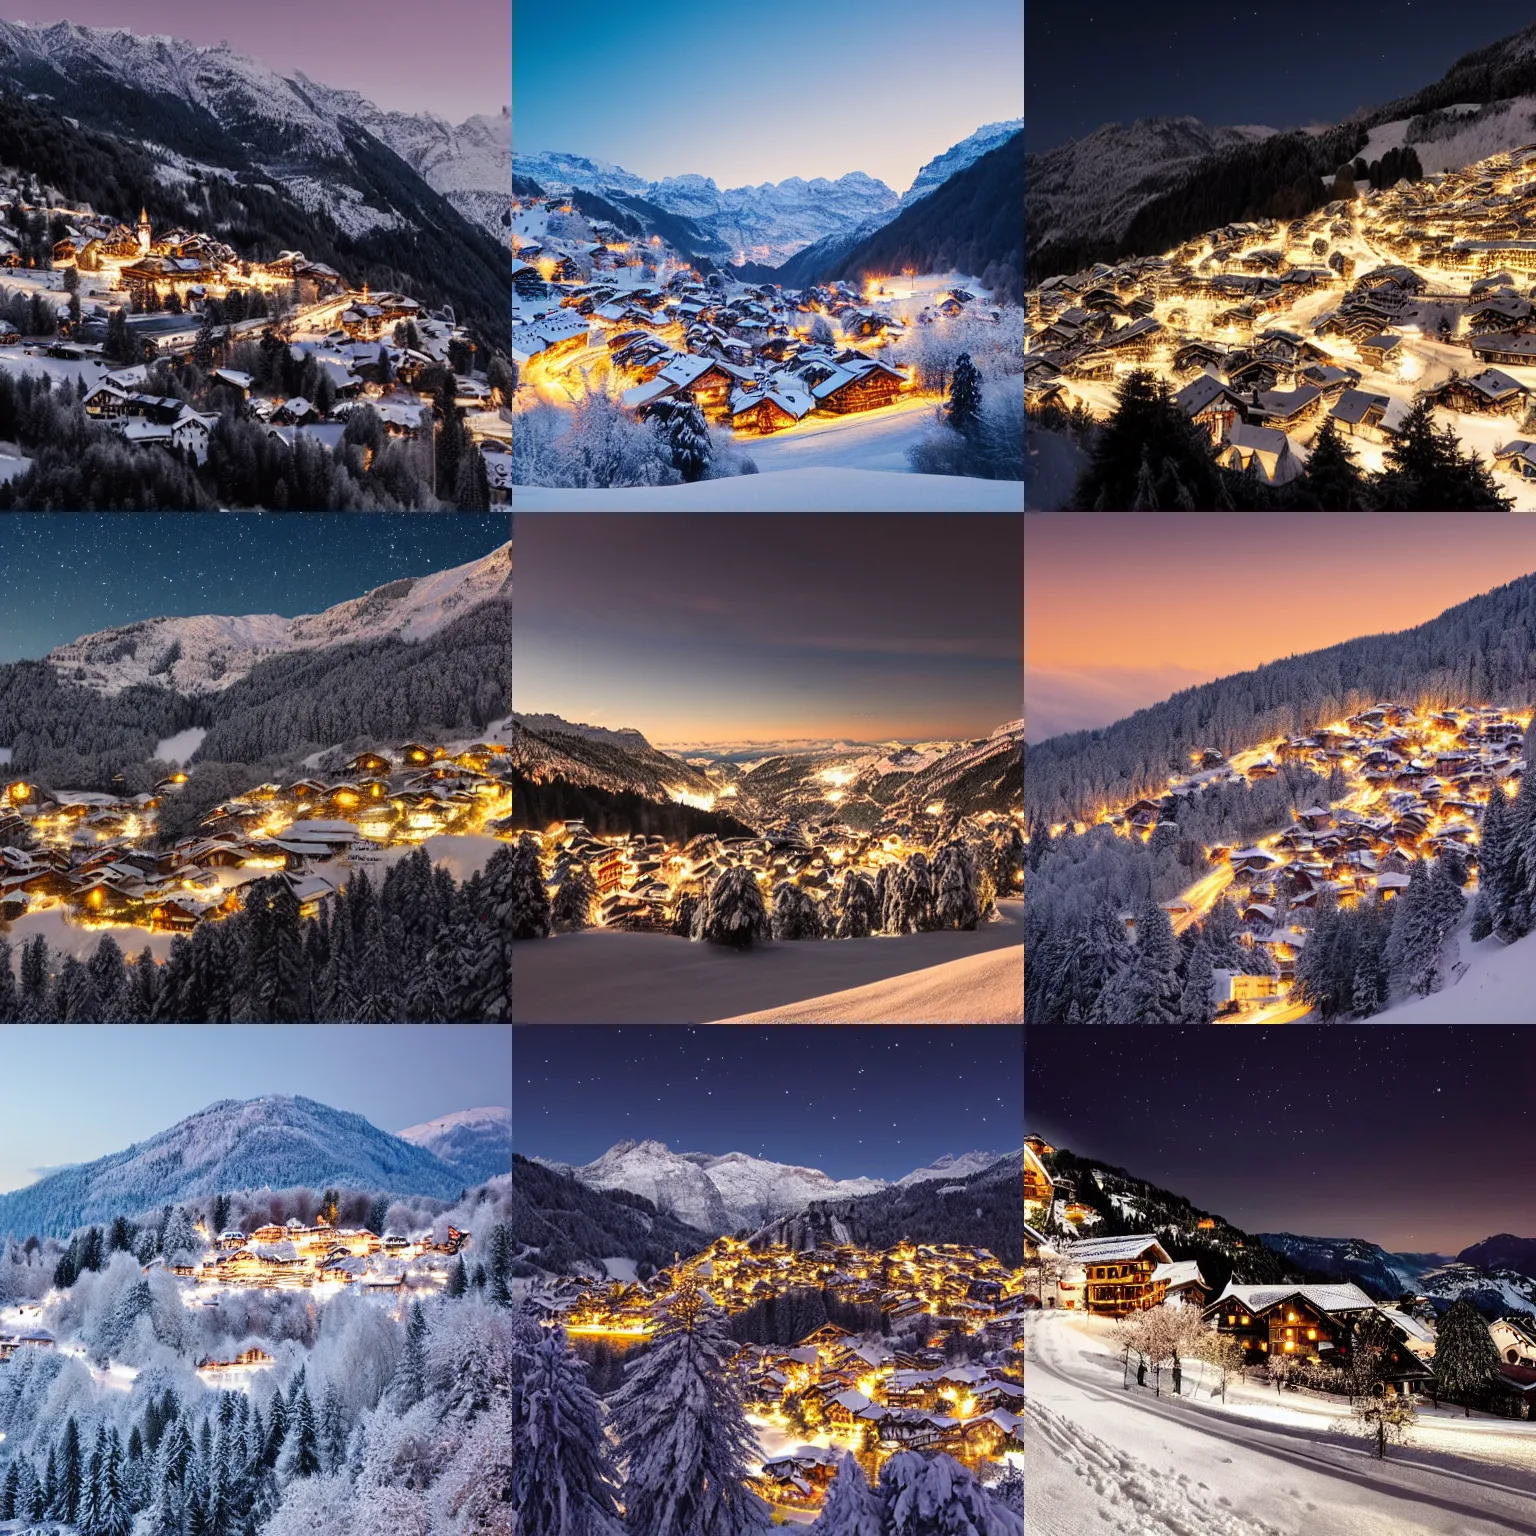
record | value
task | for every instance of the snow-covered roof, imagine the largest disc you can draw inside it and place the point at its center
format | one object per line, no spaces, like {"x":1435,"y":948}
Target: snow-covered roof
{"x":1180,"y":1272}
{"x":1106,"y":1250}
{"x":1326,"y":1298}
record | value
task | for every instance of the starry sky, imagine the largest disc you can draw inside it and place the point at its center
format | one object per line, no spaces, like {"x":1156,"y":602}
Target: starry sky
{"x":857,"y":1101}
{"x":717,"y":627}
{"x":451,"y":60}
{"x":879,"y":86}
{"x":1404,"y":1137}
{"x":1123,"y":609}
{"x":63,"y":575}
{"x":125,"y":1082}
{"x":1107,"y":61}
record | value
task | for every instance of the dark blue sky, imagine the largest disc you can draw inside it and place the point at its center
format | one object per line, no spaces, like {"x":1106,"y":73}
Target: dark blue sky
{"x":1091,"y":62}
{"x":63,"y":575}
{"x":1400,"y":1136}
{"x":77,"y":1092}
{"x":861,"y":1100}
{"x":747,"y":95}
{"x":717,"y":627}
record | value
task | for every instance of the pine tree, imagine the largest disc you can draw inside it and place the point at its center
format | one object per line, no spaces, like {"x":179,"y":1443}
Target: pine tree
{"x":410,"y":1371}
{"x":114,"y":1517}
{"x":921,"y":1495}
{"x":683,"y":1436}
{"x":70,"y":1472}
{"x":458,"y":1281}
{"x":562,"y":1479}
{"x":858,"y":913}
{"x":530,"y":901}
{"x":301,"y":1449}
{"x":964,"y":412}
{"x":575,"y":900}
{"x":1333,"y":479}
{"x":1195,"y":1003}
{"x":333,"y":1429}
{"x":954,"y":873}
{"x":796,"y":914}
{"x":733,"y":913}
{"x":851,"y":1507}
{"x":1466,"y":1358}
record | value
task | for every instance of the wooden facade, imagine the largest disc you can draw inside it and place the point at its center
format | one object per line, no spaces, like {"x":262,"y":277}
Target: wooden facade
{"x":876,"y":387}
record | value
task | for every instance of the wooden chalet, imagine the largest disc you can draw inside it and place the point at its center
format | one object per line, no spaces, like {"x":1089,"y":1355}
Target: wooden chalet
{"x":1117,"y":1273}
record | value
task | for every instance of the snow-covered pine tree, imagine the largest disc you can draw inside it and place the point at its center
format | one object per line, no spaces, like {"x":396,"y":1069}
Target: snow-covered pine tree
{"x":115,"y":1517}
{"x":8,"y":1490}
{"x":684,"y":1439}
{"x":301,"y":1448}
{"x":796,"y":914}
{"x":964,"y":413}
{"x":1146,"y":989}
{"x":1195,"y":1004}
{"x":1466,"y":1358}
{"x":562,"y":1479}
{"x":10,"y":996}
{"x":858,"y":913}
{"x":921,"y":1495}
{"x":895,"y":908}
{"x":920,"y":895}
{"x":851,"y":1507}
{"x":732,"y":913}
{"x":410,"y":1382}
{"x":530,"y":901}
{"x":575,"y":900}
{"x":954,"y":873}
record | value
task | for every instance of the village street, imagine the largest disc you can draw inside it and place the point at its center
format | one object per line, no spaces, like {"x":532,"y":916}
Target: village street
{"x":1099,"y":1453}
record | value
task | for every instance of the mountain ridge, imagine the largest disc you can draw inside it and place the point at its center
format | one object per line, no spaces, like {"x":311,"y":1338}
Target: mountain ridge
{"x":474,"y":1142}
{"x":275,"y":1141}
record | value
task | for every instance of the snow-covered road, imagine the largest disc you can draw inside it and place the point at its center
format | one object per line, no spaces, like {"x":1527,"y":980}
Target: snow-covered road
{"x":1104,"y":1459}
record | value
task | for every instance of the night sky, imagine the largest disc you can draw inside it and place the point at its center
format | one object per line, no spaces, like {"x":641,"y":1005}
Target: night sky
{"x":1107,"y":61}
{"x":1414,"y":1138}
{"x":128,"y":1081}
{"x":861,"y":1100}
{"x":719,"y":627}
{"x":1168,"y":609}
{"x":63,"y":575}
{"x":879,"y":86}
{"x":451,"y":59}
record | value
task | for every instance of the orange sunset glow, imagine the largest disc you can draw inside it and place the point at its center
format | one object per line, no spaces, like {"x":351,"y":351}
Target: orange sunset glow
{"x":1122,"y":609}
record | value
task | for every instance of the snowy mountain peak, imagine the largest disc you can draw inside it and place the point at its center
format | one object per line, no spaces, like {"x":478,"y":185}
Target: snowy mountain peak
{"x":952,"y":1166}
{"x":207,"y":653}
{"x":477,"y":1142}
{"x":958,"y":156}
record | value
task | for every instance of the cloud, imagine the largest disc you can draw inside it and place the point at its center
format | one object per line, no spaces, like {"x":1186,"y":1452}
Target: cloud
{"x":1060,"y":699}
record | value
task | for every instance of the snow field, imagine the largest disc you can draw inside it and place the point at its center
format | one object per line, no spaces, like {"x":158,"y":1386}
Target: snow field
{"x":821,"y":489}
{"x":179,"y":748}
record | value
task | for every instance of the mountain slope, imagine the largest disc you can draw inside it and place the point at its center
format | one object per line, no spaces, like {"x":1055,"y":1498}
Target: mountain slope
{"x":265,"y":161}
{"x":475,"y":1142}
{"x":209,"y":653}
{"x":608,"y":760}
{"x":951,"y":1166}
{"x":714,"y":1193}
{"x":561,"y":1225}
{"x":1381,"y":1274}
{"x":957,"y":157}
{"x":971,"y":223}
{"x":984,"y":775}
{"x":984,"y":1210}
{"x":275,"y":1142}
{"x":1482,"y":651}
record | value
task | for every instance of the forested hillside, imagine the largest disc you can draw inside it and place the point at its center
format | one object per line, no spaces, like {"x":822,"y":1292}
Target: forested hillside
{"x":611,"y":813}
{"x":1481,"y":652}
{"x":973,"y":223}
{"x":561,"y":1225}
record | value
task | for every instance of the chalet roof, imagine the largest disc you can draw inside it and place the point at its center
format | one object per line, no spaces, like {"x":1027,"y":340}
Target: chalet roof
{"x":1106,"y":1250}
{"x":1326,"y":1298}
{"x":1179,"y":1273}
{"x":1353,"y":405}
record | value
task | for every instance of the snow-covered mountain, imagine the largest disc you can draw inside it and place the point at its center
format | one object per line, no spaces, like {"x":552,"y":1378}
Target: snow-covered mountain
{"x":1091,"y":188}
{"x":476,"y":1142}
{"x":714,"y":1193}
{"x":291,"y":124}
{"x":546,"y":747}
{"x":951,"y":1166}
{"x":765,"y":223}
{"x":982,"y":775}
{"x":275,"y":1142}
{"x":957,"y":157}
{"x":1383,"y":1274}
{"x":206,"y":653}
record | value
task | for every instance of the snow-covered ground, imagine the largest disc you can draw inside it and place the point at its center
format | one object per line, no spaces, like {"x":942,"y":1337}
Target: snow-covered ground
{"x":180,"y":747}
{"x":864,"y":440}
{"x":822,"y":489}
{"x":464,"y":854}
{"x":979,"y":989}
{"x":71,"y":939}
{"x":1104,"y":1457}
{"x":1498,"y":986}
{"x":612,"y":977}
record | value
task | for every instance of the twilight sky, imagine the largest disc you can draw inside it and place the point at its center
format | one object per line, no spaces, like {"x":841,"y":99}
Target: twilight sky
{"x":865,"y":1100}
{"x":1384,"y":1134}
{"x":1109,"y":61}
{"x":746,"y":95}
{"x":67,"y":575}
{"x":1123,"y":609}
{"x":128,"y":1081}
{"x":703,"y":627}
{"x":450,"y":59}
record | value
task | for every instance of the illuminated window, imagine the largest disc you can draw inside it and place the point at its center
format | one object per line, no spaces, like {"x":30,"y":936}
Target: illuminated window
{"x":1311,"y":1333}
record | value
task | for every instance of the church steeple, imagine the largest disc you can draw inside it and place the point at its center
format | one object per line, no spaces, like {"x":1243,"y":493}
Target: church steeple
{"x":144,"y":230}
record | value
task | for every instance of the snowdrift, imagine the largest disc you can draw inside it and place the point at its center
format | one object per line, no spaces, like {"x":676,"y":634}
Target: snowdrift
{"x":980,"y":989}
